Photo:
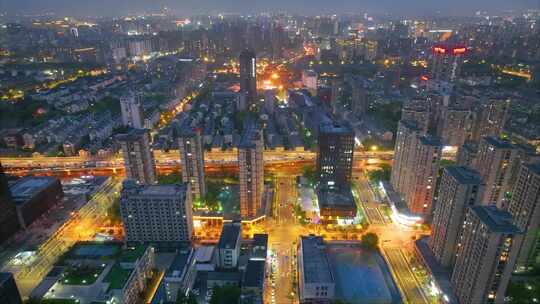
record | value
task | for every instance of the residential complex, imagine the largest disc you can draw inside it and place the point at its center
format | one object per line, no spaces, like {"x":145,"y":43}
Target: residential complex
{"x":160,"y":215}
{"x":250,"y":160}
{"x":524,"y":207}
{"x":460,"y":188}
{"x":192,"y":160}
{"x":486,"y":255}
{"x":139,"y":160}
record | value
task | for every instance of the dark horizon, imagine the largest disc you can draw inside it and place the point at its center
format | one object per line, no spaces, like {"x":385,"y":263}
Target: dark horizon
{"x":305,"y":7}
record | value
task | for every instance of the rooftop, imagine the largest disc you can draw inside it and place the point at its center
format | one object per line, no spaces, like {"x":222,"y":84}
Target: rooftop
{"x":229,"y":236}
{"x":117,"y":276}
{"x":335,"y":128}
{"x":464,"y":175}
{"x":154,"y":190}
{"x":534,"y":167}
{"x":179,"y":263}
{"x":497,"y":220}
{"x":132,"y":134}
{"x":336,"y":198}
{"x":4,"y":277}
{"x":27,"y":187}
{"x":498,"y":143}
{"x":254,"y":274}
{"x":131,"y":255}
{"x":430,"y":141}
{"x":250,"y":135}
{"x":315,"y":261}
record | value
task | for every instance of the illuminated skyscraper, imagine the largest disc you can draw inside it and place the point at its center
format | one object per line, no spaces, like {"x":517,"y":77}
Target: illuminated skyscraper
{"x":446,"y":62}
{"x":335,"y":94}
{"x":248,"y":77}
{"x":335,"y":155}
{"x":359,"y":98}
{"x":496,"y":161}
{"x":525,"y":209}
{"x":192,"y":158}
{"x":490,"y":118}
{"x":417,"y":110}
{"x":460,"y":187}
{"x":416,"y":163}
{"x":138,"y":157}
{"x":425,"y":169}
{"x":453,"y":125}
{"x":250,"y":159}
{"x":486,"y":256}
{"x":466,"y":154}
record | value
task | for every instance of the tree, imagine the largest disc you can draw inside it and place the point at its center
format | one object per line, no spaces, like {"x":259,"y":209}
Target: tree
{"x":370,"y":241}
{"x":310,"y":174}
{"x":382,"y":174}
{"x":225,"y":295}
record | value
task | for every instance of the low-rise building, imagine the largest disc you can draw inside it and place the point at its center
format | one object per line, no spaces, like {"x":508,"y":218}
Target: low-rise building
{"x":229,"y":246}
{"x":9,"y":293}
{"x":33,"y":196}
{"x":253,"y":286}
{"x":99,"y":273}
{"x":315,"y":277}
{"x":181,"y":275}
{"x":337,"y":205}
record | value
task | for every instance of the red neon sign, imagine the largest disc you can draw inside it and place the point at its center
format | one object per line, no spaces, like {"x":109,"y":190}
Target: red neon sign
{"x":440,"y":50}
{"x":459,"y":51}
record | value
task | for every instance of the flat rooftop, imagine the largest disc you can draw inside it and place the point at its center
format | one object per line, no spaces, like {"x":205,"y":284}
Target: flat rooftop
{"x":154,"y":190}
{"x":249,"y":135}
{"x":496,"y":219}
{"x":534,"y":167}
{"x":341,"y":198}
{"x":229,"y":235}
{"x":132,"y":134}
{"x":498,"y":143}
{"x":464,"y":175}
{"x":179,"y":264}
{"x":27,"y":187}
{"x":335,"y":128}
{"x":430,"y":141}
{"x":315,"y":261}
{"x":254,"y":274}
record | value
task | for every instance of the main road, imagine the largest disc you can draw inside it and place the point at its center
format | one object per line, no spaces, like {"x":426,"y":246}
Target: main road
{"x":396,"y":242}
{"x":284,"y":232}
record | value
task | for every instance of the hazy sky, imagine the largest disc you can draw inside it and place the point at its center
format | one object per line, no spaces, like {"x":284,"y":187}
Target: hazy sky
{"x":407,"y":7}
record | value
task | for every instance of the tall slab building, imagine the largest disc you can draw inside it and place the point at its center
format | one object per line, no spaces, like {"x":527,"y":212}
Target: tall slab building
{"x":460,"y":188}
{"x":138,"y":157}
{"x":250,"y":159}
{"x":192,"y":160}
{"x":486,"y":256}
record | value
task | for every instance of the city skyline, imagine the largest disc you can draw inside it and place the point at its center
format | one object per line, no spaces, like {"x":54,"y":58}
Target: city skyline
{"x":367,"y":156}
{"x":318,"y":7}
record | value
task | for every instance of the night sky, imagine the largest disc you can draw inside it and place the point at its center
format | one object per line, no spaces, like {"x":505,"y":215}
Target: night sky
{"x":311,"y":7}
